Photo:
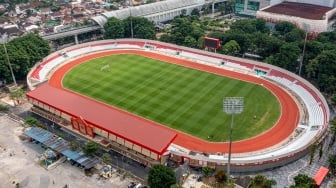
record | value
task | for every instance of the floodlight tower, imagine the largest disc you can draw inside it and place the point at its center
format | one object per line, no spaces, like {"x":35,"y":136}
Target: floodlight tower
{"x":232,"y":105}
{"x":4,"y":40}
{"x":131,"y":6}
{"x":307,"y":30}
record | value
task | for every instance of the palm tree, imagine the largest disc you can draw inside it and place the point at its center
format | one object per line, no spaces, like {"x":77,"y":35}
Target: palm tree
{"x":232,"y":4}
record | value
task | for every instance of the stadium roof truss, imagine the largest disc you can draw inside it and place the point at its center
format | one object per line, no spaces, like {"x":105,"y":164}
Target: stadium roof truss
{"x":148,"y":9}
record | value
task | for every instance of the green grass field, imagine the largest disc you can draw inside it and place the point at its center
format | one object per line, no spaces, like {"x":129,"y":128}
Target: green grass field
{"x":182,"y":98}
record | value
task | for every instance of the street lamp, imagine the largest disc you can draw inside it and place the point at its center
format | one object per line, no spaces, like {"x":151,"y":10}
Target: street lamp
{"x":232,"y":105}
{"x":4,"y":40}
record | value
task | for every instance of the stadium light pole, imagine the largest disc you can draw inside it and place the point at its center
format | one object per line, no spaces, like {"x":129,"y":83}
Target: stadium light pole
{"x":131,"y":5}
{"x":4,"y":40}
{"x":307,"y":30}
{"x":303,"y":53}
{"x":232,"y":105}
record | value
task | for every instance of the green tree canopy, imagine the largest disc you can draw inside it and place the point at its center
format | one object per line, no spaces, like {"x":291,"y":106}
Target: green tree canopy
{"x":323,"y":67}
{"x":114,"y":28}
{"x":220,"y":176}
{"x":231,"y":47}
{"x":287,"y":57}
{"x":284,"y":27}
{"x":161,"y":176}
{"x":332,"y":160}
{"x":206,"y":170}
{"x":142,"y":28}
{"x":303,"y":181}
{"x":23,"y":53}
{"x":90,"y":149}
{"x":261,"y":181}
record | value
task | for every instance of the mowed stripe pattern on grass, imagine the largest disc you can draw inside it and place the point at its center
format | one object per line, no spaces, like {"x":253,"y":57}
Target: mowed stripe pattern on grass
{"x":182,"y":98}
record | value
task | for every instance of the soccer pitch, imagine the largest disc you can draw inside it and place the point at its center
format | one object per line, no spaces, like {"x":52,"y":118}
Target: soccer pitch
{"x":184,"y":99}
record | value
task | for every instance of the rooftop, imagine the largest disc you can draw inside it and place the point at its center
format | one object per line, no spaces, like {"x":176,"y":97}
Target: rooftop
{"x":302,"y":10}
{"x":142,"y":132}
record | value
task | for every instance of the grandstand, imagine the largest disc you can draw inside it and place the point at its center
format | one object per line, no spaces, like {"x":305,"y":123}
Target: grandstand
{"x":293,"y":147}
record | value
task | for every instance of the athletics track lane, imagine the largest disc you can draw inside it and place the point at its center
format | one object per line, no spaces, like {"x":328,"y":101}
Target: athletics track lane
{"x":278,"y":133}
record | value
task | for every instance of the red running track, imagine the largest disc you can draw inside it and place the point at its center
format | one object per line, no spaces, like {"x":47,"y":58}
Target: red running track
{"x":279,"y":132}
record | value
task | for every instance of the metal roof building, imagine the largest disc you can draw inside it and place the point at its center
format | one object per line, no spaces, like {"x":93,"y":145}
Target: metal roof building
{"x":157,"y":12}
{"x":103,"y":123}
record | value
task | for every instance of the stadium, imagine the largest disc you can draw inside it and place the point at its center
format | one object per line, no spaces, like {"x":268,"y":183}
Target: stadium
{"x":303,"y":117}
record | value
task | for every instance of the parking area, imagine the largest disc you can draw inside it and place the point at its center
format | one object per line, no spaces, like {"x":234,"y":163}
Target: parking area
{"x":18,"y":159}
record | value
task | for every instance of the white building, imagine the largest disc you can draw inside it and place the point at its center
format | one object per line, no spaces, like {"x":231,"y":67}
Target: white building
{"x":312,"y":18}
{"x":326,"y":3}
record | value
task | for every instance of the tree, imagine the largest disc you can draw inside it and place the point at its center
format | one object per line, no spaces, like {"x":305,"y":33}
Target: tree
{"x":107,"y":158}
{"x":74,"y":145}
{"x":206,"y":170}
{"x":326,"y":37}
{"x":284,"y":27}
{"x":3,"y":108}
{"x":23,"y":52}
{"x":287,"y":57}
{"x":195,"y":12}
{"x":176,"y":186}
{"x":142,"y":28}
{"x":295,"y":34}
{"x":260,"y":181}
{"x":240,"y":37}
{"x":183,"y":12}
{"x":220,"y":176}
{"x":222,"y":8}
{"x":231,"y":48}
{"x":266,"y":45}
{"x":333,"y":131}
{"x":312,"y":152}
{"x":332,"y":163}
{"x":326,"y":77}
{"x":165,"y":38}
{"x":333,"y":99}
{"x":245,"y":25}
{"x":260,"y":25}
{"x":232,"y":5}
{"x":181,"y":28}
{"x":190,"y":41}
{"x":206,"y":9}
{"x":31,"y":121}
{"x":90,"y":149}
{"x":114,"y":28}
{"x":161,"y":176}
{"x":16,"y":95}
{"x":303,"y":181}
